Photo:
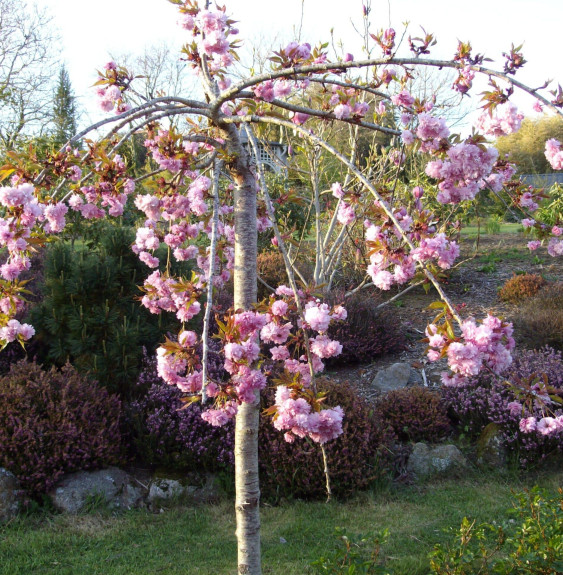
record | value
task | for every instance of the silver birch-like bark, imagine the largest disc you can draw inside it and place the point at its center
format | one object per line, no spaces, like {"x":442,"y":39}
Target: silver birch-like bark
{"x":247,"y":497}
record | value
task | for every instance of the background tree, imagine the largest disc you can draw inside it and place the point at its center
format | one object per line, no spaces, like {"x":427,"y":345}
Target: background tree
{"x":186,"y":218}
{"x":64,"y":110}
{"x":27,"y":68}
{"x":527,"y":146}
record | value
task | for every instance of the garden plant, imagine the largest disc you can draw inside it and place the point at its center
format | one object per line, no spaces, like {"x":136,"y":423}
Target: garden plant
{"x":389,"y":178}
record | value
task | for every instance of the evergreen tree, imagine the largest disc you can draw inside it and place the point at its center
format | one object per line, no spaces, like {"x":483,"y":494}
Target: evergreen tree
{"x":64,"y":109}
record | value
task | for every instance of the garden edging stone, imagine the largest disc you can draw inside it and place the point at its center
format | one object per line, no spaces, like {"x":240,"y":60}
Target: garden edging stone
{"x":10,"y":495}
{"x":114,"y":485}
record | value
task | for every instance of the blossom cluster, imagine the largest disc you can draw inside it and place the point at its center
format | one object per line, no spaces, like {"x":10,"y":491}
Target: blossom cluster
{"x":110,"y":89}
{"x":481,"y":346}
{"x":281,"y":319}
{"x":210,"y":30}
{"x":391,"y":260}
{"x":179,"y":364}
{"x":544,"y":425}
{"x":346,"y":214}
{"x":164,"y":293}
{"x":108,"y":194}
{"x":431,"y":131}
{"x":554,"y":154}
{"x":462,"y":174}
{"x":346,"y":104}
{"x":503,"y":120}
{"x":22,"y":212}
{"x":297,"y":418}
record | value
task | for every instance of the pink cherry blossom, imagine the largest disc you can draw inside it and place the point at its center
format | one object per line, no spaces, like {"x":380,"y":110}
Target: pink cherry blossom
{"x":554,"y":154}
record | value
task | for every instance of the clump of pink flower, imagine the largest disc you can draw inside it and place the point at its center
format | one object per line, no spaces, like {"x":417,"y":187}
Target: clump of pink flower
{"x":486,"y":345}
{"x":503,"y":120}
{"x":554,"y":154}
{"x":462,"y":174}
{"x":296,"y":417}
{"x":403,"y":99}
{"x":431,"y":131}
{"x":437,"y":248}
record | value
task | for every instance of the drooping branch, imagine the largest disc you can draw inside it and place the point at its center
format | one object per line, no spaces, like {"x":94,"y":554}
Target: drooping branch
{"x":341,"y":67}
{"x":368,"y":185}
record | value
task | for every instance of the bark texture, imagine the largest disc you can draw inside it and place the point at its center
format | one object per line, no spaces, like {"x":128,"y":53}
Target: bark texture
{"x":247,"y":501}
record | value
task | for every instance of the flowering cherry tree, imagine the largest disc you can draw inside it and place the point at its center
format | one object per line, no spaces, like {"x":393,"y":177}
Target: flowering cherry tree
{"x":206,"y":198}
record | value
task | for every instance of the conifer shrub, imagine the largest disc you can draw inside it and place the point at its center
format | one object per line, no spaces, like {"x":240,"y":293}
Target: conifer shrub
{"x":490,"y":399}
{"x":414,"y":413}
{"x":539,"y":320}
{"x":367,"y":332}
{"x":55,"y":422}
{"x":90,"y":314}
{"x":521,"y":287}
{"x":364,"y":453}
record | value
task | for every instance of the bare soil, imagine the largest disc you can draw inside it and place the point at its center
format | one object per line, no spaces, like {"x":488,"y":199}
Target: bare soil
{"x":473,"y":286}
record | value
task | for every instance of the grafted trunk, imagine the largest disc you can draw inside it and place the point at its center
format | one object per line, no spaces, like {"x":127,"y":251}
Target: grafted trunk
{"x":246,"y":433}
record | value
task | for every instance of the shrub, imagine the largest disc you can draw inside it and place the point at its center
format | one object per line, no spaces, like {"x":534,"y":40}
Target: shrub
{"x":367,"y":333}
{"x":90,"y":315}
{"x":531,"y":542}
{"x":165,"y":435}
{"x":521,"y":287}
{"x":414,"y":414}
{"x":271,"y":269}
{"x":361,"y":455}
{"x":488,"y":399}
{"x":55,"y":422}
{"x":493,"y":224}
{"x":539,"y":321}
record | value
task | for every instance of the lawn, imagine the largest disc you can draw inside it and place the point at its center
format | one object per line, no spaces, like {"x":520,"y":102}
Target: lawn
{"x":472,"y":231}
{"x":200,"y":539}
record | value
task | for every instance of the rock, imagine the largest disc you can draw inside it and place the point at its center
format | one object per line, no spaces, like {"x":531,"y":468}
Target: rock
{"x":113,"y":485}
{"x":491,"y":451}
{"x":208,"y":492}
{"x":163,"y":489}
{"x":425,"y":460}
{"x":167,"y":489}
{"x":393,"y":377}
{"x":10,"y":495}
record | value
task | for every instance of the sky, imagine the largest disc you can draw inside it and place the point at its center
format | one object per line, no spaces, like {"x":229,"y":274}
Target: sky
{"x":92,"y":31}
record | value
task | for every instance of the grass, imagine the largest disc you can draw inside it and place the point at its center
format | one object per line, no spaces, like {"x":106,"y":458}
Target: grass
{"x":201,"y":539}
{"x":505,"y":228}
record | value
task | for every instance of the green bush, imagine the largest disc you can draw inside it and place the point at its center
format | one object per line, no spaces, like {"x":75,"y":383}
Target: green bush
{"x":354,"y":555}
{"x":55,"y":422}
{"x":529,"y":543}
{"x":90,"y":314}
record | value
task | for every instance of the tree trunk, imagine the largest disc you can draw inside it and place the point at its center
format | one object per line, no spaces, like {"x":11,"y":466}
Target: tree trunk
{"x":246,"y":432}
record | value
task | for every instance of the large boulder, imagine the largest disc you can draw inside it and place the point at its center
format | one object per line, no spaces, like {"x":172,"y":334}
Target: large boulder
{"x":10,"y":495}
{"x":395,"y":376}
{"x":428,"y":460}
{"x":114,"y":486}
